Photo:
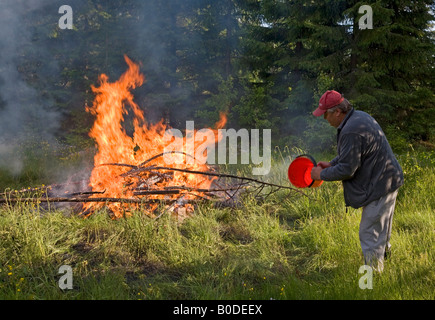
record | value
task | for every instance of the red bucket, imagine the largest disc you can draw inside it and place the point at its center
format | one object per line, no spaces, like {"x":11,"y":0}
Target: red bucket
{"x":299,"y":172}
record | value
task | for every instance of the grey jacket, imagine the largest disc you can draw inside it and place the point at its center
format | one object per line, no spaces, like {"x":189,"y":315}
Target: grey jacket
{"x":365,"y":163}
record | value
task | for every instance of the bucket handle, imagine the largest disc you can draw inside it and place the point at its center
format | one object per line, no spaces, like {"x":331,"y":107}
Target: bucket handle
{"x":313,"y":161}
{"x":310,"y":157}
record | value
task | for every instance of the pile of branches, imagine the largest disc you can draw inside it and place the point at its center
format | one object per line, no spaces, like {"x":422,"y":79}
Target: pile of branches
{"x":225,"y":191}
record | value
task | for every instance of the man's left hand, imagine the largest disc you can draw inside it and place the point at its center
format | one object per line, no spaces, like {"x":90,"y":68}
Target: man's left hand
{"x":315,"y":173}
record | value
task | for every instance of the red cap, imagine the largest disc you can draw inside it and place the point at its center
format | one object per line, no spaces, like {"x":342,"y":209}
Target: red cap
{"x":329,"y":100}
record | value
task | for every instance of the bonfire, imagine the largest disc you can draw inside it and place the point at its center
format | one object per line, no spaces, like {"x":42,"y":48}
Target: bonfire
{"x":129,"y":172}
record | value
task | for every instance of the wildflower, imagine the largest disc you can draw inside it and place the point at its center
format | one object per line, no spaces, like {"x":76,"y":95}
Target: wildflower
{"x":10,"y":273}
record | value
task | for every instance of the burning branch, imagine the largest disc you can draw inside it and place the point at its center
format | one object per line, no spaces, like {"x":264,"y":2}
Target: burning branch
{"x":148,"y":186}
{"x":145,"y":195}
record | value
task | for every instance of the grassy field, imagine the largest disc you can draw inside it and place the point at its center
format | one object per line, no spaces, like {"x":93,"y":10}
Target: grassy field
{"x":287,"y":247}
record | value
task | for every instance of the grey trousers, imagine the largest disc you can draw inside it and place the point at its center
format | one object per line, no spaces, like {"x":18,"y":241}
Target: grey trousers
{"x":375,"y":229}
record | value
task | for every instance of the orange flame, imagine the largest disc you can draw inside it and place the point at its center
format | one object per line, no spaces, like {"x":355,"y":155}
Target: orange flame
{"x":116,"y":146}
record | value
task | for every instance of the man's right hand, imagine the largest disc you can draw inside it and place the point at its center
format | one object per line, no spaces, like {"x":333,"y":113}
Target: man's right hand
{"x":323,"y":164}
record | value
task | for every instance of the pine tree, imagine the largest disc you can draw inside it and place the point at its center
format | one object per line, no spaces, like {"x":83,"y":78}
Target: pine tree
{"x":298,"y":49}
{"x":389,"y":70}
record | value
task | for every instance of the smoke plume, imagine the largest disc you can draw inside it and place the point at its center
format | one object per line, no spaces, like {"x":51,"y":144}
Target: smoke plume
{"x":24,"y":113}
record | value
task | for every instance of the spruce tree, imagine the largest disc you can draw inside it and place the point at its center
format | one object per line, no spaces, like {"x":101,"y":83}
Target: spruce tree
{"x":388,"y":71}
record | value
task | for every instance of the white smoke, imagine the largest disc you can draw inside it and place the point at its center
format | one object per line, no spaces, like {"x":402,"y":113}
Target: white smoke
{"x":23,"y":112}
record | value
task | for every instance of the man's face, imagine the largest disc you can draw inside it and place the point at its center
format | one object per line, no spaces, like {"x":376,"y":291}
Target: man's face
{"x":334,"y":118}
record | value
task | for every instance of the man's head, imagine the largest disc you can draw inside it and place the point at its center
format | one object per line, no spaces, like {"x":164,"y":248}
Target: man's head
{"x":333,"y":107}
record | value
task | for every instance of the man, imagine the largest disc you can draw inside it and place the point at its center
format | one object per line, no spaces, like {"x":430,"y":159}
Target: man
{"x":368,"y":169}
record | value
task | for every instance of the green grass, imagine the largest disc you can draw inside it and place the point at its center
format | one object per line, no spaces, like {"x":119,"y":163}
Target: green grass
{"x":287,"y":247}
